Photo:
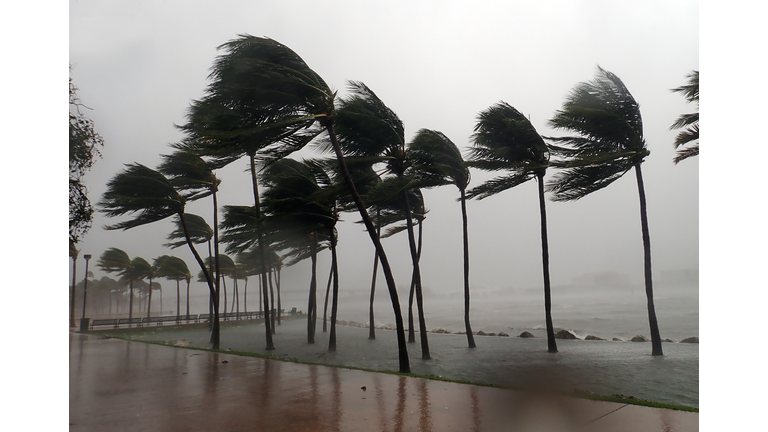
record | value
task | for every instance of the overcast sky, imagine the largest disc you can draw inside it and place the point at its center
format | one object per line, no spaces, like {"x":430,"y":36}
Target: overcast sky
{"x":138,"y":64}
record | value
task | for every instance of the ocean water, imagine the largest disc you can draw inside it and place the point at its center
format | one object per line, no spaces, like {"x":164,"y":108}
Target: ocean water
{"x":603,"y":367}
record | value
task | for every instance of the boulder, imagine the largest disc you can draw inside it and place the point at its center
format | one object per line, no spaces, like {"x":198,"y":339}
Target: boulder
{"x":668,"y":340}
{"x":639,"y":338}
{"x":617,"y":340}
{"x":526,"y":334}
{"x":693,"y":339}
{"x":491,"y":334}
{"x":439,"y":331}
{"x":480,"y":333}
{"x":565,"y":334}
{"x":502,"y":334}
{"x":591,"y":337}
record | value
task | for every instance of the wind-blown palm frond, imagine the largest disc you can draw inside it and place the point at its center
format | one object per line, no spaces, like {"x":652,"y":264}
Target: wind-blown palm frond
{"x":141,"y":268}
{"x":437,"y":160}
{"x":189,"y":174}
{"x":688,"y":138}
{"x":172,"y":268}
{"x":199,"y":231}
{"x":609,"y":140}
{"x":142,"y":191}
{"x":114,"y":260}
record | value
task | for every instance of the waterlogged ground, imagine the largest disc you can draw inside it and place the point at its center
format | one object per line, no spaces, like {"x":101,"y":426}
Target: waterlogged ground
{"x":602,"y":367}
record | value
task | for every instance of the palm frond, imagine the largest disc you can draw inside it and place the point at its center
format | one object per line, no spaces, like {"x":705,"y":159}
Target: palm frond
{"x":437,"y":160}
{"x":198,"y":228}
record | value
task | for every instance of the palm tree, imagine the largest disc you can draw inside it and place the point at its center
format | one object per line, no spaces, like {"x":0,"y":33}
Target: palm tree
{"x":368,"y":128}
{"x":688,"y":138}
{"x":227,"y":268}
{"x":608,"y":143}
{"x":196,"y":179}
{"x":265,"y":97}
{"x":115,"y":260}
{"x":175,"y":269}
{"x":439,"y":162}
{"x":73,"y":252}
{"x":199,"y":232}
{"x":143,"y":270}
{"x":504,"y":139}
{"x":151,"y":197}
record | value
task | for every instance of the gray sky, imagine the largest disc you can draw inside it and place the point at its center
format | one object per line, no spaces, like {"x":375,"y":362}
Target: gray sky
{"x":138,"y":64}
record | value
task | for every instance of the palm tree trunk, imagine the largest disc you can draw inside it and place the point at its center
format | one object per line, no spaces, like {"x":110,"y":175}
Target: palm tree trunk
{"x":279,"y":304}
{"x":327,"y":292}
{"x":215,"y":332}
{"x":237,"y":297}
{"x":210,"y":295}
{"x":334,"y":306}
{"x":272,"y":304}
{"x":149,"y":300}
{"x":215,"y":308}
{"x":467,"y":327}
{"x":74,"y":284}
{"x":262,"y":251}
{"x":178,"y":300}
{"x":551,"y":344}
{"x":245,"y":296}
{"x":417,"y":279}
{"x":655,"y":335}
{"x":261,"y":297}
{"x":371,"y":326}
{"x":130,"y":303}
{"x":411,"y":293}
{"x":402,"y":348}
{"x":312,"y":303}
{"x":188,"y":297}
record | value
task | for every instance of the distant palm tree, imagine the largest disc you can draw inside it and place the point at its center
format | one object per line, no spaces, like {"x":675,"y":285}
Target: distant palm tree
{"x":115,"y":260}
{"x":608,"y":142}
{"x":148,"y":194}
{"x":143,"y":270}
{"x":73,"y":252}
{"x":199,"y":232}
{"x":439,"y":162}
{"x":175,"y":269}
{"x":688,"y":138}
{"x":505,"y":140}
{"x":227,"y":268}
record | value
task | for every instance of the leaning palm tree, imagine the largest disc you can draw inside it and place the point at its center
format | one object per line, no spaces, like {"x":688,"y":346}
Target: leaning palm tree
{"x":688,"y":138}
{"x":264,"y":96}
{"x":149,"y":196}
{"x":439,"y":162}
{"x":175,"y":269}
{"x":73,"y":252}
{"x":505,"y":140}
{"x":143,"y":270}
{"x":199,"y":232}
{"x":608,"y":142}
{"x":114,"y":260}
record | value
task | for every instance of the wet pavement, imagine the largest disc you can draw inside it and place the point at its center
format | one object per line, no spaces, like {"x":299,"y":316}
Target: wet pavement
{"x":117,"y":385}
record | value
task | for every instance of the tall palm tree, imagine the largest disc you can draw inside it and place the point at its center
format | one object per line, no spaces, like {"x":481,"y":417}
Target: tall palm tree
{"x":73,"y":253}
{"x":608,"y":142}
{"x":688,"y":138}
{"x":505,"y":140}
{"x":439,"y":162}
{"x":227,"y":268}
{"x":368,"y":128}
{"x":149,"y":195}
{"x":264,"y":94}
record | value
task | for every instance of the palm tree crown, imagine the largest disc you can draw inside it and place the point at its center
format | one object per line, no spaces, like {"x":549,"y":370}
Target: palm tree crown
{"x":688,"y":138}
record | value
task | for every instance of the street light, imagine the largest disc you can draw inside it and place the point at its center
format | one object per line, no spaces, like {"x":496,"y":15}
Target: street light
{"x":83,"y":323}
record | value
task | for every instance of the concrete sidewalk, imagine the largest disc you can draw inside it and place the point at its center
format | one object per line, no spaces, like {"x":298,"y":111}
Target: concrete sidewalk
{"x":117,"y":385}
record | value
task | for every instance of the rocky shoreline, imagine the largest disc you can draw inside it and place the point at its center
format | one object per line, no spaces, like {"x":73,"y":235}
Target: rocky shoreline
{"x":560,"y":334}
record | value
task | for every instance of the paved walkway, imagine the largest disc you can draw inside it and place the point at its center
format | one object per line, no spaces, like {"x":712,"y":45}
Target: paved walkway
{"x":116,"y":385}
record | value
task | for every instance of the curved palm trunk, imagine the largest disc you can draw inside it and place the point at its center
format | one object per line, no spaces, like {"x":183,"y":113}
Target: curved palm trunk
{"x":210,"y":295}
{"x":327,"y":293}
{"x":386,"y":269}
{"x":215,"y":299}
{"x":371,"y":326}
{"x":215,"y":332}
{"x":312,"y":305}
{"x":335,"y":304}
{"x":74,"y":284}
{"x":272,"y":303}
{"x":187,"y":297}
{"x":467,"y":327}
{"x":655,"y":335}
{"x":417,"y":279}
{"x":411,"y":293}
{"x":551,"y":344}
{"x":178,"y":299}
{"x":262,"y":252}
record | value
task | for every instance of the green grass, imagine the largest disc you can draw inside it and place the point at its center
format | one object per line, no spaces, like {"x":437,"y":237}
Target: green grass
{"x":629,"y":400}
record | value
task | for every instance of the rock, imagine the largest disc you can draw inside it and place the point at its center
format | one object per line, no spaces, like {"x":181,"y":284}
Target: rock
{"x":502,"y":334}
{"x":565,"y":334}
{"x":693,"y":339}
{"x":491,"y":334}
{"x":526,"y":334}
{"x":639,"y":338}
{"x":591,"y":337}
{"x":480,"y":333}
{"x":617,"y":340}
{"x":442,"y":331}
{"x":668,"y":340}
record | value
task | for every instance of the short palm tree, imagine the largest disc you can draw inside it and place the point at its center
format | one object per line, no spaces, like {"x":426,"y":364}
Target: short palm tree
{"x":608,"y":142}
{"x":439,"y":162}
{"x":175,"y":269}
{"x":143,"y":270}
{"x":199,"y":232}
{"x":687,"y":141}
{"x":114,"y":260}
{"x":149,"y":195}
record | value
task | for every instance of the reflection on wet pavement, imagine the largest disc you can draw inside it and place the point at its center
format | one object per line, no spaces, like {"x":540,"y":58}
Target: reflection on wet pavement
{"x":118,"y":385}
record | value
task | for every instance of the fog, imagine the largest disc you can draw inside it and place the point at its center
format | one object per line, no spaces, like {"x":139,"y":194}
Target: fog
{"x":138,"y":65}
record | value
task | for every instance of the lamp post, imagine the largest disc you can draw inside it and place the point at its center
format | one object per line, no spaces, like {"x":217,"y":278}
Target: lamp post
{"x":83,"y":323}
